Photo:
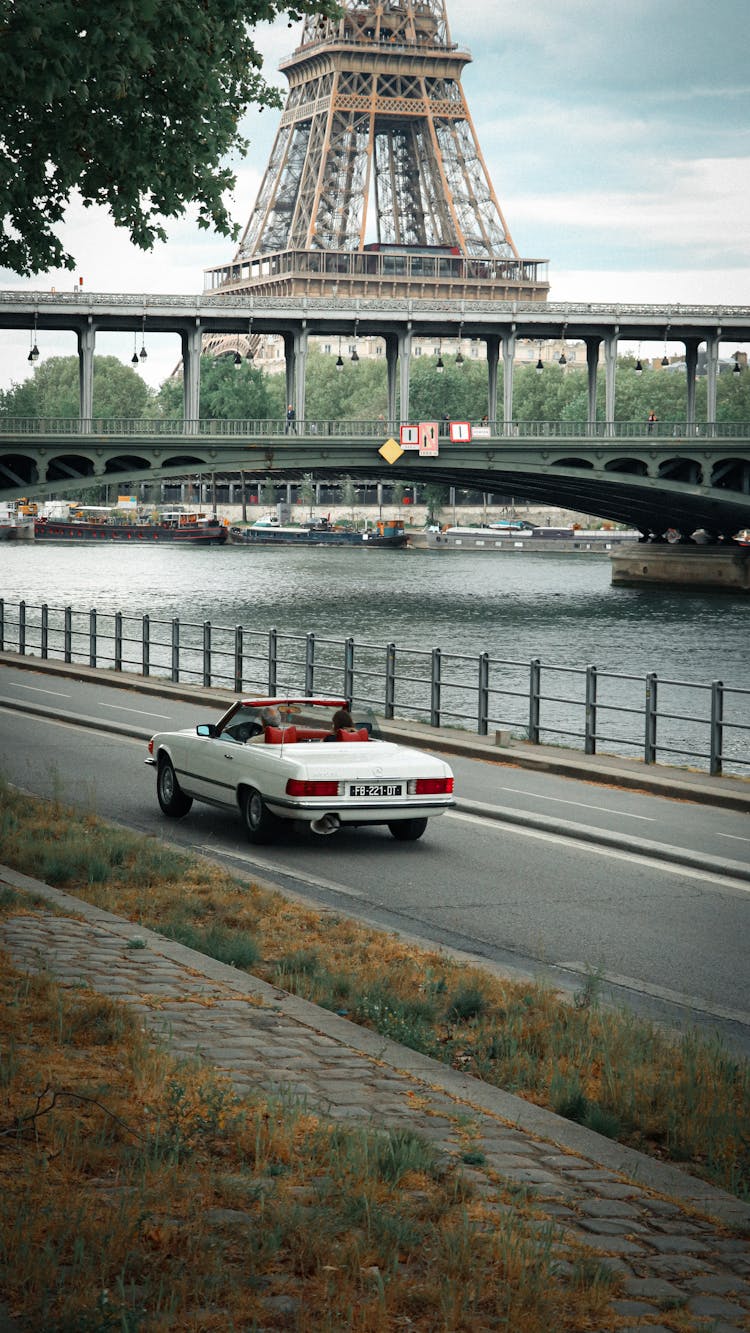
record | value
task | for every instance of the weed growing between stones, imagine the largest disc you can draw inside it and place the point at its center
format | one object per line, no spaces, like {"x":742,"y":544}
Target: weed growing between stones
{"x":141,"y":1193}
{"x":620,"y":1075}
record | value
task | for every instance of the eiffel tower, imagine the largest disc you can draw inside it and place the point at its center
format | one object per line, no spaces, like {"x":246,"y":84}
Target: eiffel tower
{"x":376,"y":185}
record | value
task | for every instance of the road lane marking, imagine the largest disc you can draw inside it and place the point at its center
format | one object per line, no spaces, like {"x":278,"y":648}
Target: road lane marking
{"x":660,"y":993}
{"x":734,"y":836}
{"x":597,"y":849}
{"x":581,"y":805}
{"x":273,"y":868}
{"x":36,"y":689}
{"x":119,"y":708}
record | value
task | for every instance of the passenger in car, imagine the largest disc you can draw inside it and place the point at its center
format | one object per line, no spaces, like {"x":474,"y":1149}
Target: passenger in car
{"x":342,"y":720}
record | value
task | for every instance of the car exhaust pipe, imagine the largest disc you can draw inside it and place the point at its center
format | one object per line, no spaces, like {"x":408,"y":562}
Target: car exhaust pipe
{"x":326,"y":824}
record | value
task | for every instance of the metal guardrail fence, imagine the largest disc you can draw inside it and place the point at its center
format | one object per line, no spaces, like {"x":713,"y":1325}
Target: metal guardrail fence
{"x":537,"y":701}
{"x":262,"y":428}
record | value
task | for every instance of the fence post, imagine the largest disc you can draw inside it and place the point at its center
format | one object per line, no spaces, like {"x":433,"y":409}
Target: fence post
{"x":310,"y":663}
{"x":483,"y":694}
{"x":92,"y":637}
{"x":349,"y":669}
{"x":118,"y":640}
{"x":2,"y":624}
{"x":175,"y":648}
{"x":207,"y":653}
{"x":390,"y":679}
{"x":68,"y":634}
{"x":590,"y":722}
{"x":435,"y":688}
{"x":717,"y":728}
{"x":44,"y":642}
{"x":535,"y":688}
{"x":652,"y":685}
{"x":146,"y":645}
{"x":22,"y":628}
{"x":238,"y":658}
{"x":273,"y":659}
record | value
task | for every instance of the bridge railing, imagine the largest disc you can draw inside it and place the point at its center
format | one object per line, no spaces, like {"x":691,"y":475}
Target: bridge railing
{"x":378,"y":428}
{"x":659,"y":719}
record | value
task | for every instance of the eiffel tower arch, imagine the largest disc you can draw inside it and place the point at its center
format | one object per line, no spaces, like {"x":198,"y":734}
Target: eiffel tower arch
{"x":376,"y":188}
{"x":376,"y":184}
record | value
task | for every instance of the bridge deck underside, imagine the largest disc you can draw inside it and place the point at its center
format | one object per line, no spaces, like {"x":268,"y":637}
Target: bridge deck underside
{"x":670,"y":483}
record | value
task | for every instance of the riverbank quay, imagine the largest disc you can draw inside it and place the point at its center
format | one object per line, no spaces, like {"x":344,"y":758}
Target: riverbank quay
{"x":724,"y":569}
{"x":686,"y":784}
{"x":678,"y":1246}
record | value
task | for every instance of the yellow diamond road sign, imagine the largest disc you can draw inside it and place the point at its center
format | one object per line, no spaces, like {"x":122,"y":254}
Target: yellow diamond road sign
{"x":390,"y":451}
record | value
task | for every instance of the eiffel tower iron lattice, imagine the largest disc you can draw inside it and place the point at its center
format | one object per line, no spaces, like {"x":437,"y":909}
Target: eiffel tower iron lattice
{"x":376,"y":185}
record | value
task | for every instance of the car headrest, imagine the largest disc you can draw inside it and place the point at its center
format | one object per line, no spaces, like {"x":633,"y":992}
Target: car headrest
{"x":361,"y":735}
{"x":275,"y":735}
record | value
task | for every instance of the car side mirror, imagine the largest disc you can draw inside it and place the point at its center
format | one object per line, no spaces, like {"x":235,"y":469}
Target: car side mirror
{"x":207,"y":729}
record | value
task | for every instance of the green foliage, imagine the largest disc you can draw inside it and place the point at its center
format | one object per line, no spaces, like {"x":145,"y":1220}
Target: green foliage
{"x":358,"y":392}
{"x":230,"y":393}
{"x":133,"y":106}
{"x":459,"y":393}
{"x":435,"y":497}
{"x":52,"y":390}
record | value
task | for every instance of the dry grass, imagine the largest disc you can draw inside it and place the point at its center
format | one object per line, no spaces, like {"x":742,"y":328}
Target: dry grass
{"x":687,"y":1100}
{"x":137,"y":1193}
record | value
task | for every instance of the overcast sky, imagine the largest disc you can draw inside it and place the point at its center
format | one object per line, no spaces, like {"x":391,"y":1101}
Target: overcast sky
{"x":617,"y":138}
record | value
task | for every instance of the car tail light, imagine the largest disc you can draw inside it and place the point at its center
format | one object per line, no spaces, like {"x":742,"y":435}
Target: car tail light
{"x":151,"y":746}
{"x":431,"y":787}
{"x":307,"y":787}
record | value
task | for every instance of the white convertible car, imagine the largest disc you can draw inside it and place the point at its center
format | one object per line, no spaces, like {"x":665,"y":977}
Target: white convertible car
{"x":276,"y":760}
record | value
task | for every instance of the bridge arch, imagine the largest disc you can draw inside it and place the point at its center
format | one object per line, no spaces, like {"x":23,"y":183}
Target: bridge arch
{"x":633,"y":467}
{"x":731,"y":474}
{"x":680,"y":468}
{"x":19,"y":469}
{"x":573,"y":462}
{"x":70,"y":467}
{"x":126,"y":463}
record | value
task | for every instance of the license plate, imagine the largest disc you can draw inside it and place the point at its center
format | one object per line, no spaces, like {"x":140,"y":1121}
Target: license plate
{"x":376,"y":789}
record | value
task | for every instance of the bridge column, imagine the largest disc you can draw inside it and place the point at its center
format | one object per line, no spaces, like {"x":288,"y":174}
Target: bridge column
{"x":712,"y":374}
{"x":610,"y":374}
{"x":691,"y":364}
{"x":192,"y":340}
{"x":86,"y":344}
{"x":404,"y":358}
{"x":290,"y":359}
{"x":592,"y":364}
{"x":493,"y":356}
{"x":509,"y":353}
{"x":391,"y":361}
{"x":300,"y":358}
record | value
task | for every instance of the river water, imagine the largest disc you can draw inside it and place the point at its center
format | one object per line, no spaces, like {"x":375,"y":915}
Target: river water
{"x":558,"y":607}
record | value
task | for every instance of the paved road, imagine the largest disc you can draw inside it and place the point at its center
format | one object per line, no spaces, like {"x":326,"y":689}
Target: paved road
{"x":669,"y":938}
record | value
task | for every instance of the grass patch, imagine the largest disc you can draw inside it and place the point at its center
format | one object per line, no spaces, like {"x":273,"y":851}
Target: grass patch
{"x":686,"y":1099}
{"x":141,"y":1193}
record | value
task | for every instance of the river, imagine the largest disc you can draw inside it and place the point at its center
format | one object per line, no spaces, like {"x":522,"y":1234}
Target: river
{"x":558,"y":607}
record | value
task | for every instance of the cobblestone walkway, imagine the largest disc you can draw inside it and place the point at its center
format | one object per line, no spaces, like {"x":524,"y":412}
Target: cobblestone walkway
{"x":677,"y":1242}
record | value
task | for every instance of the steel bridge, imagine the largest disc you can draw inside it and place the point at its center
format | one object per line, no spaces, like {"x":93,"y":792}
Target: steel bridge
{"x":680,"y":476}
{"x":686,"y":476}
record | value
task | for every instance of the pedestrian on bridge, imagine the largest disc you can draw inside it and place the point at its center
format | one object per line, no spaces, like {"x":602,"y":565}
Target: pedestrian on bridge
{"x":290,"y":418}
{"x":652,"y":419}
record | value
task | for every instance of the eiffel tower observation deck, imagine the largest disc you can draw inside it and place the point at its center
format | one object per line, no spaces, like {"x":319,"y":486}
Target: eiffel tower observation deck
{"x":376,"y":186}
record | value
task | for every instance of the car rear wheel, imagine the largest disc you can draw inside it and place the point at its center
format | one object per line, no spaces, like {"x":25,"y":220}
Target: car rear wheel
{"x":408,"y":830}
{"x":260,"y":824}
{"x":170,"y":795}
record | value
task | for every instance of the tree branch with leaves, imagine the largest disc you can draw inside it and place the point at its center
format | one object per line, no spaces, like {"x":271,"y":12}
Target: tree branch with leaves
{"x":135,"y":106}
